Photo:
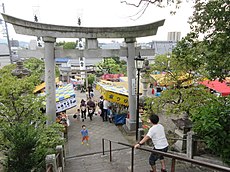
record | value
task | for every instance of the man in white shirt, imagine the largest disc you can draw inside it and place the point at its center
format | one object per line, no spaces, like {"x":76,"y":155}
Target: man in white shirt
{"x":105,"y":110}
{"x":157,"y":134}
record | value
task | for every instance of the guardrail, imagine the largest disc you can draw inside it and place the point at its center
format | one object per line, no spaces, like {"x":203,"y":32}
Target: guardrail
{"x":169,"y":155}
{"x":56,"y":162}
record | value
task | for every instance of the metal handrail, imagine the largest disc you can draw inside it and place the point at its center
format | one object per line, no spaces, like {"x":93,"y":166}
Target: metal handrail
{"x":57,"y":157}
{"x":169,"y":155}
{"x":49,"y":168}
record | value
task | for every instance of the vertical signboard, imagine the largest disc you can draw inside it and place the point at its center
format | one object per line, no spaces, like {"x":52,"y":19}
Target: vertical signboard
{"x":133,"y":87}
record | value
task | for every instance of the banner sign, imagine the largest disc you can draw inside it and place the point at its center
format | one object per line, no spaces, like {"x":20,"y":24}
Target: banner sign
{"x":65,"y":98}
{"x":66,"y":104}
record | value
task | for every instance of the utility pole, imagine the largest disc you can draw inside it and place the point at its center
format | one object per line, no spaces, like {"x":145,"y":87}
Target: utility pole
{"x":7,"y":36}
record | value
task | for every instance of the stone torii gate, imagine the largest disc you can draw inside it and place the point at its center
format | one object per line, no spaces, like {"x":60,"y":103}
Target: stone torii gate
{"x":49,"y":33}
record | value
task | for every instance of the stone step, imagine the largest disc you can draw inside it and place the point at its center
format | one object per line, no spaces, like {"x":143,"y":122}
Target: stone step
{"x":121,"y":162}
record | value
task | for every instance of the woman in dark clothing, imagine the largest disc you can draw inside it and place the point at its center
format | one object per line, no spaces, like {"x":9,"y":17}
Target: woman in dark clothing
{"x":91,"y":108}
{"x":83,"y":110}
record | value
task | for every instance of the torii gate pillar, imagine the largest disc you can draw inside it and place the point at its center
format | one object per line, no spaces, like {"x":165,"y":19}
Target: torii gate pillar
{"x":131,"y":71}
{"x":50,"y":78}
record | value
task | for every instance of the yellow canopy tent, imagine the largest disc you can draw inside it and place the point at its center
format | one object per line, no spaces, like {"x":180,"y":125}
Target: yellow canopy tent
{"x":166,"y":79}
{"x":42,"y":86}
{"x":113,"y":93}
{"x":116,"y":92}
{"x":124,"y":83}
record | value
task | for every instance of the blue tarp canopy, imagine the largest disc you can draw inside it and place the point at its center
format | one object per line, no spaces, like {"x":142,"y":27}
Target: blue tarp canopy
{"x":62,"y":59}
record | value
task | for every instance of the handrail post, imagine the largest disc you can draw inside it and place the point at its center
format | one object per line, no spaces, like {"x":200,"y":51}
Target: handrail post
{"x":189,"y":150}
{"x":173,"y":165}
{"x":51,"y":159}
{"x":110,"y":151}
{"x":132,"y":159}
{"x":59,"y":150}
{"x":103,"y":146}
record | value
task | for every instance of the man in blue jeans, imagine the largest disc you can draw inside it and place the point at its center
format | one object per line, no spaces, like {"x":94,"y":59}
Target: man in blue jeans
{"x":157,"y":134}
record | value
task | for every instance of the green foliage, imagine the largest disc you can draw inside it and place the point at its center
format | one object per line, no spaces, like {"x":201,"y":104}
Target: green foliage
{"x":25,"y":139}
{"x":112,"y":66}
{"x":37,"y":68}
{"x":91,"y":79}
{"x":188,"y":55}
{"x":69,"y":45}
{"x":21,"y":143}
{"x":61,"y":43}
{"x":211,"y":20}
{"x":160,"y":63}
{"x":211,"y":122}
{"x":176,"y":101}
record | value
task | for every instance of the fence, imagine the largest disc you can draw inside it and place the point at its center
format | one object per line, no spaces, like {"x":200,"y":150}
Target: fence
{"x":169,"y":155}
{"x":56,"y":162}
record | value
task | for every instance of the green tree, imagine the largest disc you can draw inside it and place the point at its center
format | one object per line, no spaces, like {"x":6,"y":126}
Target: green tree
{"x":112,"y":66}
{"x":67,"y":45}
{"x":211,"y":21}
{"x":179,"y":100}
{"x":37,"y":68}
{"x":91,"y":79}
{"x":25,"y":138}
{"x":212,"y":124}
{"x":61,"y":43}
{"x":207,"y":57}
{"x":161,"y":63}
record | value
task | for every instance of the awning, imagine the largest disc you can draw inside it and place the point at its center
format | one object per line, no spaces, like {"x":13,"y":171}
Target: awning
{"x":42,"y":86}
{"x":218,"y":86}
{"x":166,"y":79}
{"x":112,"y":93}
{"x":162,"y":79}
{"x":111,"y":76}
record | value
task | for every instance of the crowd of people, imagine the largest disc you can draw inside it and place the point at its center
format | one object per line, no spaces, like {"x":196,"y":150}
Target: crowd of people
{"x":91,"y":107}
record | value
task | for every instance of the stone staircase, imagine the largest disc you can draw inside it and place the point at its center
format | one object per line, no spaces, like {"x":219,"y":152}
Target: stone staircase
{"x":121,"y":161}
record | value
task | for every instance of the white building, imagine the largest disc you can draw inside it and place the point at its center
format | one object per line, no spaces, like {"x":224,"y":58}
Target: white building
{"x":174,"y":36}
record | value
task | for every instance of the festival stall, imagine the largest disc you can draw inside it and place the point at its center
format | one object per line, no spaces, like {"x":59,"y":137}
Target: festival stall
{"x":163,"y":80}
{"x":117,"y":95}
{"x":65,"y":98}
{"x":113,"y":93}
{"x":221,"y":87}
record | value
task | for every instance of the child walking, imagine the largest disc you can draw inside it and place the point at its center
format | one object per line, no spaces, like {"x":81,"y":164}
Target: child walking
{"x":85,"y":135}
{"x":77,"y":115}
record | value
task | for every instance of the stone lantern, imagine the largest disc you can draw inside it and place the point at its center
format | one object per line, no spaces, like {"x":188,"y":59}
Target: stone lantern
{"x":184,"y":125}
{"x":20,"y":71}
{"x":145,"y":77}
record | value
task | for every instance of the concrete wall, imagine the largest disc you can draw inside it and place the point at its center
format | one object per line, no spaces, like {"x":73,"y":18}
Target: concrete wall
{"x":4,"y":60}
{"x":4,"y":49}
{"x":39,"y":53}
